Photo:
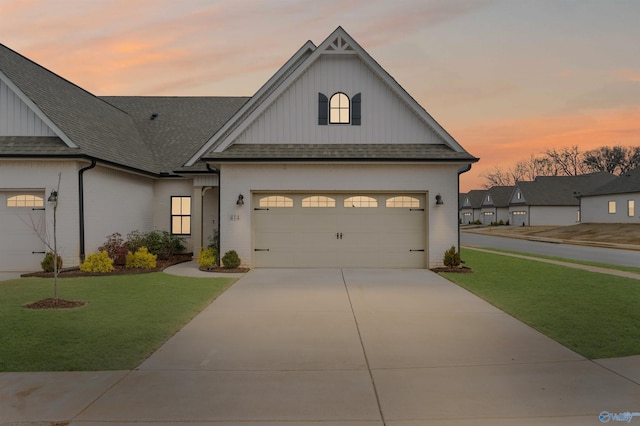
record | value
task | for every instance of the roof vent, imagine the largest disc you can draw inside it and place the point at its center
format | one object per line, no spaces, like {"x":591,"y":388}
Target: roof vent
{"x":154,"y":116}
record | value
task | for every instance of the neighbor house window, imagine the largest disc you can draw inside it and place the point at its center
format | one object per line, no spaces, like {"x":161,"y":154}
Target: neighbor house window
{"x":519,"y":195}
{"x":360,"y":201}
{"x":631,"y":208}
{"x":404,"y":202}
{"x":612,"y":207}
{"x":275,"y":201}
{"x":181,"y":215}
{"x":25,"y":200}
{"x":318,"y":201}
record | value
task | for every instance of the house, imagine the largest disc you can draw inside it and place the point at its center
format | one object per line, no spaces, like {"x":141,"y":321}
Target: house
{"x":552,"y":200}
{"x":330,"y":164}
{"x":471,"y":207}
{"x":495,"y":205}
{"x":614,"y":202}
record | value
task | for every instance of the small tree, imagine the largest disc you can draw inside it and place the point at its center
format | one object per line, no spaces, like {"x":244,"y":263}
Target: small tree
{"x":452,"y":258}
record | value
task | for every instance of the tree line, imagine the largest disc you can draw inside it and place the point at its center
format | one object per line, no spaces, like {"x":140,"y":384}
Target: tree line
{"x":568,"y":161}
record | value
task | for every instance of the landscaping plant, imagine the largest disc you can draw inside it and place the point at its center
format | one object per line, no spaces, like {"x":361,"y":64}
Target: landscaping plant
{"x":47,"y":262}
{"x":141,"y":259}
{"x":207,"y":258}
{"x":97,"y":262}
{"x":231,"y":260}
{"x":452,"y":258}
{"x":115,"y":248}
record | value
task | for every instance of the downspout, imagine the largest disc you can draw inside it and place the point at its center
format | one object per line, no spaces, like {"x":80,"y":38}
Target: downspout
{"x":81,"y":205}
{"x":217,"y":172}
{"x":461,"y":171}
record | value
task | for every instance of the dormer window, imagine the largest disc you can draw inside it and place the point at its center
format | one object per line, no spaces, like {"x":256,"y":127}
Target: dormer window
{"x":339,"y":109}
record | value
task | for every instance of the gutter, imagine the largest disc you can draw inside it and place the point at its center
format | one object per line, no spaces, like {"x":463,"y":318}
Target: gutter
{"x":460,"y":171}
{"x":81,"y":205}
{"x":217,"y":172}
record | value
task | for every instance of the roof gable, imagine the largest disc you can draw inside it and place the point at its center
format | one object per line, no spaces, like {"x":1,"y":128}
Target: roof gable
{"x":498,"y":196}
{"x":339,"y":46}
{"x":473,"y":199}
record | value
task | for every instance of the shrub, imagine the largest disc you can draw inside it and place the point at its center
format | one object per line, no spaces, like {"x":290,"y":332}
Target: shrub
{"x":452,"y":258}
{"x":207,"y":258}
{"x":115,"y":248}
{"x":97,"y":262}
{"x":231,"y":260}
{"x":47,"y":262}
{"x":141,"y":259}
{"x":161,"y":243}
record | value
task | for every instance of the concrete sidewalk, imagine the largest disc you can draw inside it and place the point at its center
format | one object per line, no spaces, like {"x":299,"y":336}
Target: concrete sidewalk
{"x":340,"y":347}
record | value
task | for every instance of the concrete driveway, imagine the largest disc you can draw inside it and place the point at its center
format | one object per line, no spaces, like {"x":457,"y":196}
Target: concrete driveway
{"x":340,"y":347}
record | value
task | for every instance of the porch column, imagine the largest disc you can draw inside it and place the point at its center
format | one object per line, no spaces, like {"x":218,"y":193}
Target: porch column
{"x":196,"y":220}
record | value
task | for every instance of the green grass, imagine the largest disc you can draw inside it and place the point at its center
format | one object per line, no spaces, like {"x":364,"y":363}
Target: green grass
{"x":596,"y":315}
{"x":128,"y":317}
{"x":563,"y":259}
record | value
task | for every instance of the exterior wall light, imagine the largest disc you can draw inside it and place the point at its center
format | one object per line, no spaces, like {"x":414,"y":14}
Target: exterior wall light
{"x":240,"y":201}
{"x":53,"y":197}
{"x":439,"y":201}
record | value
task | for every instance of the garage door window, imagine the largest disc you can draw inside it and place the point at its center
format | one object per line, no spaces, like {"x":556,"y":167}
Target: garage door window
{"x":25,"y":200}
{"x":274,"y":201}
{"x":403,"y":202}
{"x":360,"y":201}
{"x":318,"y":201}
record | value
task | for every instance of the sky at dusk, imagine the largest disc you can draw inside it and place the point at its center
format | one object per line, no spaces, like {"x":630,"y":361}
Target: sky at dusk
{"x":506,"y":78}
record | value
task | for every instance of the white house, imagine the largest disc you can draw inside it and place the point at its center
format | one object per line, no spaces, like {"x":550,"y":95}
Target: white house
{"x":471,"y":206}
{"x":330,"y":164}
{"x":495,"y":205}
{"x":614,"y":202}
{"x":552,"y":200}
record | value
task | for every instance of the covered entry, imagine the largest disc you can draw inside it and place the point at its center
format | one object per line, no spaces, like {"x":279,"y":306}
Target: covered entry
{"x":339,"y":230}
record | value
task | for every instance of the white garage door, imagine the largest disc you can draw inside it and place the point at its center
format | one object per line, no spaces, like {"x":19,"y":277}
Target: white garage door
{"x":21,"y":248}
{"x":339,"y":230}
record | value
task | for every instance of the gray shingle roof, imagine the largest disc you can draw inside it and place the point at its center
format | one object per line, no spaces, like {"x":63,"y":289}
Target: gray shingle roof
{"x":623,"y":184}
{"x":475,"y":198}
{"x":500,"y":196}
{"x":34,"y":146}
{"x":315,"y":152}
{"x":561,"y":190}
{"x":182,"y":124}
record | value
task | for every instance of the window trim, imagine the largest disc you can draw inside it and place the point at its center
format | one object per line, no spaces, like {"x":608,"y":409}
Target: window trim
{"x":181,"y":215}
{"x":612,"y":207}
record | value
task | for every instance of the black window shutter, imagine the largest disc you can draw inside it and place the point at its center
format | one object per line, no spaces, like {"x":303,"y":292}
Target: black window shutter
{"x":355,"y":110}
{"x":323,"y":110}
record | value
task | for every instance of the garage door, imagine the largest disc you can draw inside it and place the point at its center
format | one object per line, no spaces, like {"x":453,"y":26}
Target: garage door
{"x":21,"y":248}
{"x":339,"y":230}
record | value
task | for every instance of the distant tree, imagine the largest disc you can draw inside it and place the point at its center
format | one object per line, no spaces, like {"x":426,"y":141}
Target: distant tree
{"x":617,"y":159}
{"x":498,"y":176}
{"x":567,"y":161}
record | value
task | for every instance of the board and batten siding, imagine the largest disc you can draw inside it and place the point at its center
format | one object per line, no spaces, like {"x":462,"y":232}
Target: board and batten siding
{"x":17,"y":119}
{"x":293,"y":117}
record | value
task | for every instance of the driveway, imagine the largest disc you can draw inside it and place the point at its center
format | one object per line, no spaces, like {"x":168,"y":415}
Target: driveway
{"x":348,"y":347}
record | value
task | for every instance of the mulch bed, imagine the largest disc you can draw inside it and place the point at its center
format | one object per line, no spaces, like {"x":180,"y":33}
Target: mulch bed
{"x":52,"y":303}
{"x":460,"y":270}
{"x":222,"y":269}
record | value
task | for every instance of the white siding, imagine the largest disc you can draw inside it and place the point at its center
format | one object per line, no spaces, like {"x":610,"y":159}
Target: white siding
{"x":293,"y":117}
{"x":17,"y":119}
{"x":428,"y":179}
{"x":549,"y":215}
{"x":596,"y":209}
{"x":115,"y":201}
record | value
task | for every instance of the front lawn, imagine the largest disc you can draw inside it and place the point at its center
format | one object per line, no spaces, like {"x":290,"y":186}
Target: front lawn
{"x":596,"y":315}
{"x":127,"y":318}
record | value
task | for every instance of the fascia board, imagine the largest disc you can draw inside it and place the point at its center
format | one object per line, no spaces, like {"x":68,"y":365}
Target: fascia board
{"x":41,"y":115}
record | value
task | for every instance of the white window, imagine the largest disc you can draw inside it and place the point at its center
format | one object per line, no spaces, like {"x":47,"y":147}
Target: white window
{"x":519,"y":195}
{"x":276,"y":201}
{"x":631,"y":208}
{"x":339,"y":109}
{"x":403,"y":202}
{"x":360,"y":201}
{"x":181,"y":215}
{"x":518,"y":213}
{"x":318,"y":201}
{"x":612,"y":207}
{"x":25,"y":200}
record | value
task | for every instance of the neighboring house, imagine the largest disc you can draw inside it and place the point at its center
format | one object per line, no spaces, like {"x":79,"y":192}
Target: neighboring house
{"x":614,"y":202}
{"x":330,"y":164}
{"x":552,"y":200}
{"x":471,"y":207}
{"x":495,"y":205}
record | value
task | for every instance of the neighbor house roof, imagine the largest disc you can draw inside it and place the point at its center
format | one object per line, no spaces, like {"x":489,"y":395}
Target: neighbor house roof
{"x":475,"y":198}
{"x":500,"y":196}
{"x":560,"y":190}
{"x":626,"y":183}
